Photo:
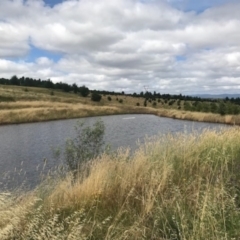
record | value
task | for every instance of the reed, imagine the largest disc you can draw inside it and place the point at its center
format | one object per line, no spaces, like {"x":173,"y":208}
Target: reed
{"x":173,"y":187}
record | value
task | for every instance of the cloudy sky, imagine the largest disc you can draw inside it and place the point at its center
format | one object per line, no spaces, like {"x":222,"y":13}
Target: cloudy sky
{"x":170,"y":46}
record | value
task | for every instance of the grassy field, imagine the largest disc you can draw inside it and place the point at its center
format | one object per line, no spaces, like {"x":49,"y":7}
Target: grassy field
{"x":172,"y":187}
{"x":28,"y":104}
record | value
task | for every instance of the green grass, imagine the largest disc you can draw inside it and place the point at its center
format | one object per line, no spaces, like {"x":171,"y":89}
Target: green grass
{"x":172,"y":187}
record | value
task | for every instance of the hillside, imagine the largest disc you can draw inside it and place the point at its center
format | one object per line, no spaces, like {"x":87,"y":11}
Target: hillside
{"x":20,"y":104}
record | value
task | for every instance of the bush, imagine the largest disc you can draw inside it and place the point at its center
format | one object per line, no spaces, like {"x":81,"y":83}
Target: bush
{"x":120,"y":101}
{"x":96,"y":97}
{"x":137,"y":104}
{"x":84,"y":91}
{"x":154,"y":104}
{"x":86,"y":145}
{"x":109,"y":98}
{"x":222,"y":109}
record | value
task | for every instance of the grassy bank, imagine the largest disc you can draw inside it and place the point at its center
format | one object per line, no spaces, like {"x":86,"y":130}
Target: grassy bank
{"x":22,"y":105}
{"x":172,"y":187}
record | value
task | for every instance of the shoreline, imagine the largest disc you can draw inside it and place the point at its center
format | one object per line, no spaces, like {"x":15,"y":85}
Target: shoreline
{"x":39,"y":105}
{"x":23,"y":116}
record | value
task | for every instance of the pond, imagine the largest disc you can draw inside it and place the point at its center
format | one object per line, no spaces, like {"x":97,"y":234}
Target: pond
{"x":25,"y":147}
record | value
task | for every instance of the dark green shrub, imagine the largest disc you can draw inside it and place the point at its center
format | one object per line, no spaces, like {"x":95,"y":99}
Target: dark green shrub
{"x":137,"y":104}
{"x":222,"y":109}
{"x":84,"y":91}
{"x":120,"y":101}
{"x":213,"y":107}
{"x":154,"y":104}
{"x":109,"y":98}
{"x":96,"y":97}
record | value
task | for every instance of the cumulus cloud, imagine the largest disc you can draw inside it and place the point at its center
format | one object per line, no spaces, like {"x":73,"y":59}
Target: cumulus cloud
{"x":13,"y":40}
{"x":124,"y":45}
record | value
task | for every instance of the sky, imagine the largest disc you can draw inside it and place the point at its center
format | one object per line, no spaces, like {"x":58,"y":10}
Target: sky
{"x":168,"y":46}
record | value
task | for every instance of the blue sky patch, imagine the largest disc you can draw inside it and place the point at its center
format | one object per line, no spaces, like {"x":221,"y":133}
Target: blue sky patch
{"x":180,"y":58}
{"x":185,"y":5}
{"x":37,"y":53}
{"x":51,"y":3}
{"x":197,"y":6}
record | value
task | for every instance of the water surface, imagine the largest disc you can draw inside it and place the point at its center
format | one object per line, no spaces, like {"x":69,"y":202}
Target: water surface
{"x":24,"y":147}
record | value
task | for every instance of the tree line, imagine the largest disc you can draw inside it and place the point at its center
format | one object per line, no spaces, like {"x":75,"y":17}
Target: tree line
{"x":191,"y":103}
{"x":30,"y":82}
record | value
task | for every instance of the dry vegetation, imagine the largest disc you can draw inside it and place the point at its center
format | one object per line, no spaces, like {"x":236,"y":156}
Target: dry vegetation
{"x":29,"y":104}
{"x":173,"y":187}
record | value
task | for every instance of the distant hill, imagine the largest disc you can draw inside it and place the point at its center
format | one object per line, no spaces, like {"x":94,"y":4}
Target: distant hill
{"x":218,"y":95}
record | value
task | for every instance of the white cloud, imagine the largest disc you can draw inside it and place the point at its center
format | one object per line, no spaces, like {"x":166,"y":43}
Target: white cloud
{"x":9,"y":68}
{"x":13,"y":40}
{"x":44,"y":61}
{"x":124,"y":44}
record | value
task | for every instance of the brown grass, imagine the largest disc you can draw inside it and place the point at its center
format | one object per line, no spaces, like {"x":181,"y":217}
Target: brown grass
{"x":38,"y":104}
{"x":173,"y":187}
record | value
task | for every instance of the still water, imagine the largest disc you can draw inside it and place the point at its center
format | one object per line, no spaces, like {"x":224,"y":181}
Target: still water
{"x":23,"y":147}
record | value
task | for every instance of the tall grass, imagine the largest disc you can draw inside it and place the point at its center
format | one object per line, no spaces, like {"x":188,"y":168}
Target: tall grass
{"x":172,"y":187}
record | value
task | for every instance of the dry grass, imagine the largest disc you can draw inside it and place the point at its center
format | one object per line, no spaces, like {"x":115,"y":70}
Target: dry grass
{"x":30,"y":104}
{"x":56,"y":111}
{"x":173,"y":187}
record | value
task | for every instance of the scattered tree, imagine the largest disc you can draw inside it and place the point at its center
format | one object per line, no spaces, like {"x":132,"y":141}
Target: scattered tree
{"x":84,"y":91}
{"x":96,"y":97}
{"x":75,"y":88}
